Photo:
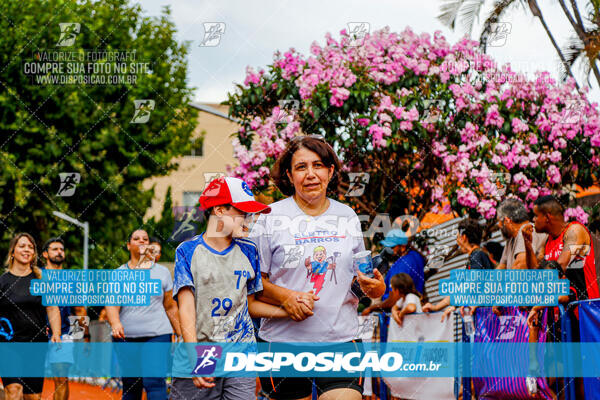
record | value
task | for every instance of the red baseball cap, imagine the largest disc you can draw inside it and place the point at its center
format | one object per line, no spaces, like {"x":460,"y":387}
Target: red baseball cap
{"x":234,"y":191}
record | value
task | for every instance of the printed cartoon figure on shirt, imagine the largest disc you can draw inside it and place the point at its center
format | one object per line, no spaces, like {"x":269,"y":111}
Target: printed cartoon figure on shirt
{"x":317,"y":268}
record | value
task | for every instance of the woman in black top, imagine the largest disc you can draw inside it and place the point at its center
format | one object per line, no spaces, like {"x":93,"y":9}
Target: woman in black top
{"x":23,"y":316}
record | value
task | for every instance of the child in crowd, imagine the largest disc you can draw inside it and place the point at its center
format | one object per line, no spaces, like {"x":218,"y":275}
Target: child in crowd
{"x":409,"y":299}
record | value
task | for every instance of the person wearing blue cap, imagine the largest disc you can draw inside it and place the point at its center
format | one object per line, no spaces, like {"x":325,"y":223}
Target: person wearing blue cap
{"x":410,"y":261}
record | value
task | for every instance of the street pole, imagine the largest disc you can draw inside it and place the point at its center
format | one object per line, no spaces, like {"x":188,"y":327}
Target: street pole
{"x":86,"y":236}
{"x":86,"y":233}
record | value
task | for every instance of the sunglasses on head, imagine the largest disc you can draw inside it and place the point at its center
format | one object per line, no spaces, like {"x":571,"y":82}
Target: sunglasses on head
{"x":303,"y":137}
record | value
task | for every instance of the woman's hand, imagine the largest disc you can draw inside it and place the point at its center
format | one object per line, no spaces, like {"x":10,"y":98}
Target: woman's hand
{"x":55,"y":338}
{"x":367,"y":311}
{"x":373,"y":287}
{"x":299,"y":305}
{"x":117,"y":330}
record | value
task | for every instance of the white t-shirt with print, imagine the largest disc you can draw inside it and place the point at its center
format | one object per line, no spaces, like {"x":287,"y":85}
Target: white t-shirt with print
{"x":304,"y":253}
{"x":410,"y":298}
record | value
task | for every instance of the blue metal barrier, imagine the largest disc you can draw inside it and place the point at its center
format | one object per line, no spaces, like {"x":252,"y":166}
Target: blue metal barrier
{"x":384,"y":322}
{"x":566,"y":321}
{"x":568,"y":328}
{"x":466,"y":380}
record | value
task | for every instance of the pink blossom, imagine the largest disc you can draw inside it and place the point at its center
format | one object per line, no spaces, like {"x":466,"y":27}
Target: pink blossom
{"x":577,"y":214}
{"x":482,"y":92}
{"x":467,"y":198}
{"x":338,"y":95}
{"x":363,"y":121}
{"x":519,"y":126}
{"x":251,"y":77}
{"x":555,"y":156}
{"x":532,"y":194}
{"x":553,"y":174}
{"x":493,"y":117}
{"x":486,"y":208}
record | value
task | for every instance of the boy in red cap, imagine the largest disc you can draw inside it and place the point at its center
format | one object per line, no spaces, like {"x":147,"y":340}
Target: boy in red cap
{"x":216,"y":276}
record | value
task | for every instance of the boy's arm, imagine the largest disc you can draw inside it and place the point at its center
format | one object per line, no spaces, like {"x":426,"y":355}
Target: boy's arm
{"x":187,"y":314}
{"x":187,"y":320}
{"x":260,"y":309}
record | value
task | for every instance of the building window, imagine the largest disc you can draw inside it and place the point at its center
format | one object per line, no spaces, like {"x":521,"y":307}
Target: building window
{"x":190,"y":199}
{"x":197,"y":148}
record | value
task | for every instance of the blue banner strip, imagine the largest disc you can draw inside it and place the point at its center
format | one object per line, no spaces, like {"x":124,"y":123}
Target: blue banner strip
{"x":303,"y":359}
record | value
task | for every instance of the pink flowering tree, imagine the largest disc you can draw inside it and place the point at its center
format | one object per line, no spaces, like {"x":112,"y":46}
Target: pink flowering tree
{"x":435,"y":125}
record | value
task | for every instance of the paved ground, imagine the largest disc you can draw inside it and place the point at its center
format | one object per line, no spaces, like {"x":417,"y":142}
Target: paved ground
{"x":81,"y":391}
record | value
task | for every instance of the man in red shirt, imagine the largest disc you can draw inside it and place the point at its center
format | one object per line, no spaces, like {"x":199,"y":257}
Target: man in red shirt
{"x":569,"y":244}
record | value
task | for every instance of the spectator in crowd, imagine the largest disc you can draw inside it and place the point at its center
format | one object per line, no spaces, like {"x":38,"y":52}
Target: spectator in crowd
{"x":410,"y":261}
{"x":468,"y":239}
{"x":145,"y":324}
{"x":409,"y":299}
{"x":570,"y":244}
{"x":24,"y":313}
{"x":512,"y":217}
{"x":61,"y":359}
{"x":157,"y":247}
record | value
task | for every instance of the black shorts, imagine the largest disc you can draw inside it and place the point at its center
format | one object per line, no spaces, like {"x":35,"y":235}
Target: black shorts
{"x":281,"y":388}
{"x":297,"y":388}
{"x":30,"y":385}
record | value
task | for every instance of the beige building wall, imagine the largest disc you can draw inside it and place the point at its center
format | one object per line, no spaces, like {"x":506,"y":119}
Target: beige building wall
{"x":190,"y":176}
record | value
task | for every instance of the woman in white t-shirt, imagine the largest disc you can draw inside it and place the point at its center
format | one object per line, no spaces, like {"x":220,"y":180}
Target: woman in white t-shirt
{"x":306,"y":246}
{"x":154,"y":323}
